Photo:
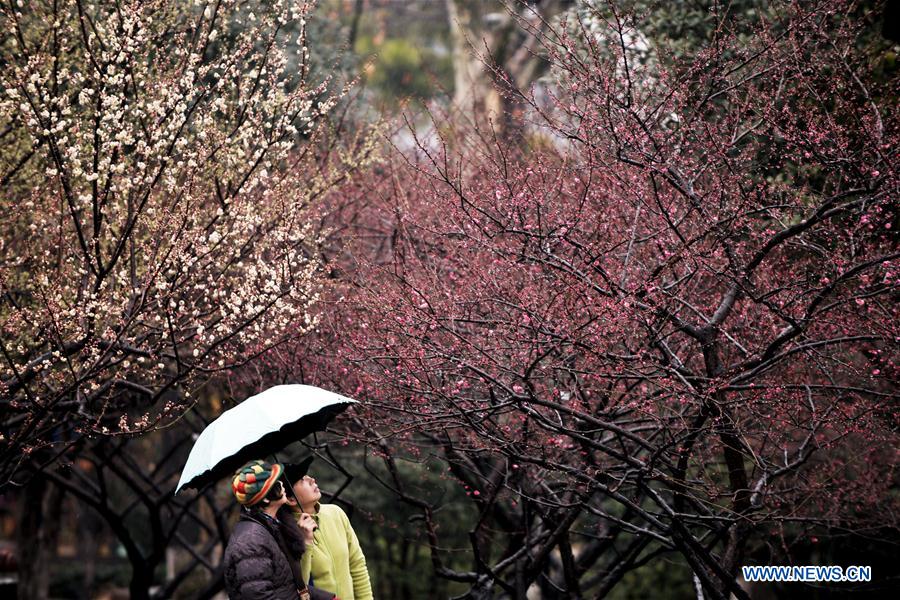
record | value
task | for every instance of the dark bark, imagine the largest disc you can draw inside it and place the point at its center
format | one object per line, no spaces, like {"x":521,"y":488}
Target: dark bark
{"x":37,"y":535}
{"x":90,"y":530}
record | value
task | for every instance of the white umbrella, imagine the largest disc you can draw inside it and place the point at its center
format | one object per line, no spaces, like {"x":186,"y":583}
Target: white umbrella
{"x":257,"y":427}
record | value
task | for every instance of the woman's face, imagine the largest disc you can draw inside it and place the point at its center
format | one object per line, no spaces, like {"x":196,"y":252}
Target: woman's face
{"x":307,"y":491}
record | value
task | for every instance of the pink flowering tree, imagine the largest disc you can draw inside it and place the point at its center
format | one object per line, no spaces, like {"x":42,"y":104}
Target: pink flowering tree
{"x":156,"y":188}
{"x":668,"y":327}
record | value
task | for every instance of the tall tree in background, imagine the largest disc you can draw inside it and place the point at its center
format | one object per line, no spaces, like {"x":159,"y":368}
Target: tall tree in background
{"x":155,"y":193}
{"x":671,"y":331}
{"x":496,"y":50}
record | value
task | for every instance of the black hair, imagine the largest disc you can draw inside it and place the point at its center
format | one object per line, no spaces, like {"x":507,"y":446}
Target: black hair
{"x":287,"y":518}
{"x":274,"y":493}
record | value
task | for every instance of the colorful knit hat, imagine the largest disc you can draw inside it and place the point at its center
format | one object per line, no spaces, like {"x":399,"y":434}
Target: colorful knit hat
{"x":254,"y":480}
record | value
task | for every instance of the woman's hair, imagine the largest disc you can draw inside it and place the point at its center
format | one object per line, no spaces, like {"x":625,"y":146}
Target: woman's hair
{"x":275,"y":493}
{"x":287,"y":517}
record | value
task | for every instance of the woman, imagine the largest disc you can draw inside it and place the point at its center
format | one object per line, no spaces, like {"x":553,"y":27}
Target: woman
{"x":334,"y":560}
{"x":262,"y":553}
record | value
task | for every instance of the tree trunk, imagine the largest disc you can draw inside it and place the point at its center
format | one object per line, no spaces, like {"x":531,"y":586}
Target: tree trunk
{"x":484,"y":33}
{"x":141,"y":580}
{"x":90,"y":528}
{"x":37,"y":535}
{"x":473,"y":33}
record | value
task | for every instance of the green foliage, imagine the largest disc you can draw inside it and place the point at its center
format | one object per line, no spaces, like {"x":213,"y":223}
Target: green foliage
{"x":67,"y":577}
{"x":668,"y":577}
{"x":401,"y":70}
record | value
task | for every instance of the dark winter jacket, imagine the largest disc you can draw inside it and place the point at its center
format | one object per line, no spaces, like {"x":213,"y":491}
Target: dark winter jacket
{"x":256,"y":567}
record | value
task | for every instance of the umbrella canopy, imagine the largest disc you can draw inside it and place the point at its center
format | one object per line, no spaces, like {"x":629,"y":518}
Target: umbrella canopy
{"x":257,"y":427}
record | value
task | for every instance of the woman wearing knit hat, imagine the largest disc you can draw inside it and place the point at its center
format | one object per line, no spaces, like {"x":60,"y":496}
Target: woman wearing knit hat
{"x":334,"y":558}
{"x":263,"y":551}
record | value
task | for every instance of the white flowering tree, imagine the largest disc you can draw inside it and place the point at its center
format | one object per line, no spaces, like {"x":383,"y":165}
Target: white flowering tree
{"x":156,"y":187}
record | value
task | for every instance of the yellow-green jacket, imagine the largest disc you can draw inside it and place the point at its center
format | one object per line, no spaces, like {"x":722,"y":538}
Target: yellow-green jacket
{"x":335,"y":560}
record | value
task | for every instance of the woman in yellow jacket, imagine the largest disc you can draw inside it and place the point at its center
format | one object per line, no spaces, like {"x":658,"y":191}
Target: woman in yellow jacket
{"x":334,"y":561}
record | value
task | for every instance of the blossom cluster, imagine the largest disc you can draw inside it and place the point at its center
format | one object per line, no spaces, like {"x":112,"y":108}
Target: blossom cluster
{"x":157,"y":189}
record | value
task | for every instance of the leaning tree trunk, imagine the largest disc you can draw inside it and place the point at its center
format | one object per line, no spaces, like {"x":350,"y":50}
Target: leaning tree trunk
{"x":472,"y":39}
{"x":488,"y":35}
